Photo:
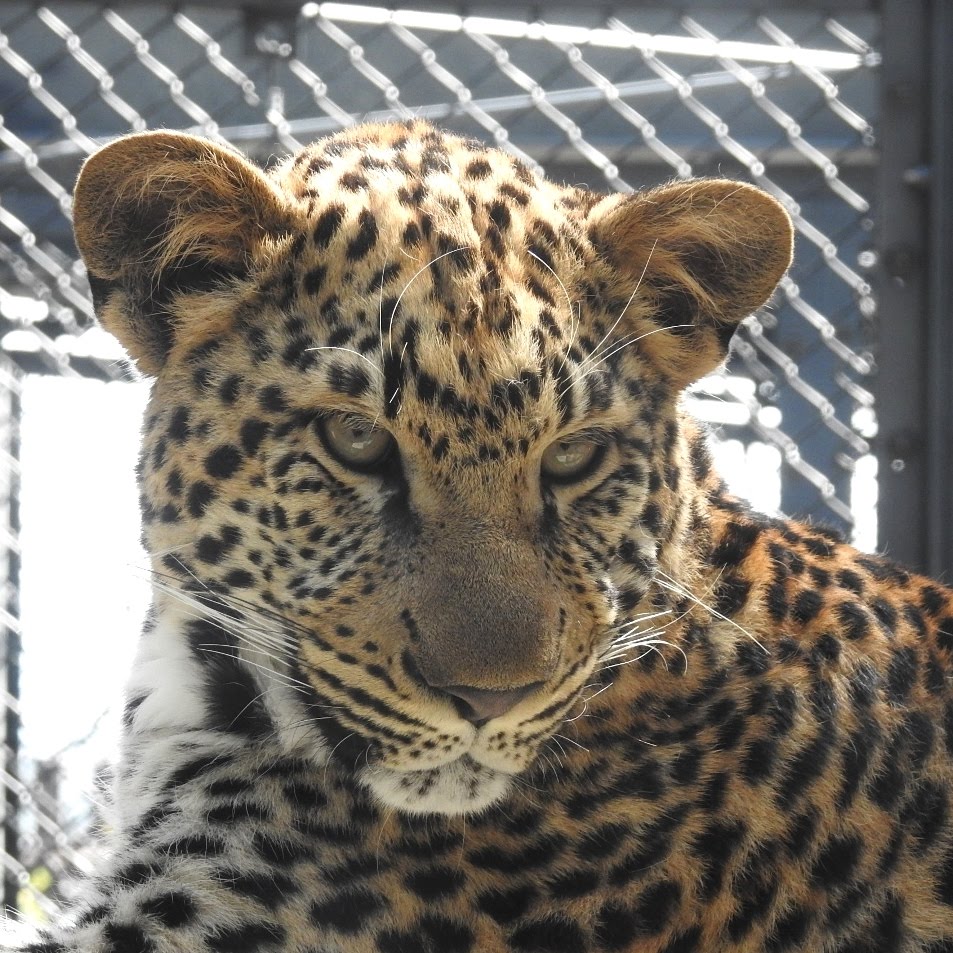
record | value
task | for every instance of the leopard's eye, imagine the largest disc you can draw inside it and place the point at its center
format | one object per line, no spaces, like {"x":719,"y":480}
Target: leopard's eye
{"x":356,"y":443}
{"x":567,"y":460}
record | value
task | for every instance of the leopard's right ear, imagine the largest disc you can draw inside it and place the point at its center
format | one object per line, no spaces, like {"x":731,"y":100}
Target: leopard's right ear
{"x":162,"y":215}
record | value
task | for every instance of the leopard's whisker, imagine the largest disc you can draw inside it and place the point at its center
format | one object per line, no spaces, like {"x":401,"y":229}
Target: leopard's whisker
{"x":667,"y":582}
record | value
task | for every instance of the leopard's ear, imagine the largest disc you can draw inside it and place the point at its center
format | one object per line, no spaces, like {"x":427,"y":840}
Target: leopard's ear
{"x":704,"y":254}
{"x":159,"y":215}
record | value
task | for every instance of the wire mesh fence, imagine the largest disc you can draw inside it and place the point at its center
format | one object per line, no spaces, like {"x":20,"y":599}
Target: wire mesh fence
{"x":615,"y":98}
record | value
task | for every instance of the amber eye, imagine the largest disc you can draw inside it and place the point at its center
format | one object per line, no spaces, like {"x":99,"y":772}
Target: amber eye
{"x":355,"y":442}
{"x":572,"y":459}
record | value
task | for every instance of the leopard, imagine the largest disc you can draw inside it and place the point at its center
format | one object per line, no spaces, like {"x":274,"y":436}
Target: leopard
{"x":458,"y":642}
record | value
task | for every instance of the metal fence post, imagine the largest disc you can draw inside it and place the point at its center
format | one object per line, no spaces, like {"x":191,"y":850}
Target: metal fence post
{"x":940,"y":301}
{"x":915,"y":380}
{"x":901,"y":352}
{"x":10,"y":643}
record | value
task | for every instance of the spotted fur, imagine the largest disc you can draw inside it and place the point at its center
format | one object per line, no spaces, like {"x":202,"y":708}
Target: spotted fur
{"x":455,"y":700}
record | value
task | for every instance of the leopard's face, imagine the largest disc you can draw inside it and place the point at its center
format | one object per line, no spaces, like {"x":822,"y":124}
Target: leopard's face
{"x":414,"y":452}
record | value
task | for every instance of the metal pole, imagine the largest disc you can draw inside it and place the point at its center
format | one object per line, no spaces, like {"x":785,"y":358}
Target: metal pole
{"x":902,"y":241}
{"x":939,"y":415}
{"x":10,"y":642}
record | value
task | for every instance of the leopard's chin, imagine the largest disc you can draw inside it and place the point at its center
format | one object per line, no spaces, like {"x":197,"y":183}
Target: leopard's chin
{"x":461,"y":787}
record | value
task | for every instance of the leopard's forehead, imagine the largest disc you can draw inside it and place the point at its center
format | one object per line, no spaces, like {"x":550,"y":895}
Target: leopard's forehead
{"x":430,"y":256}
{"x":423,"y":168}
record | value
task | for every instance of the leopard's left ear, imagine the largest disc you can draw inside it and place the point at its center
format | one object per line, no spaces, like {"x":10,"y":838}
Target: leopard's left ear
{"x":705,"y":254}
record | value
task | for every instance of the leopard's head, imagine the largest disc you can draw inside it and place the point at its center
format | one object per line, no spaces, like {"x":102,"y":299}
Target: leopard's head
{"x":413,"y":448}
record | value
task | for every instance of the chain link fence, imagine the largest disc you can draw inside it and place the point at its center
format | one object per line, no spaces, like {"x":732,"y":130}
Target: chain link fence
{"x":615,"y":97}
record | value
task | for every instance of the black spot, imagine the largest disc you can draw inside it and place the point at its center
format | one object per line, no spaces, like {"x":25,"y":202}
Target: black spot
{"x":819,"y":546}
{"x":827,"y":649}
{"x":854,"y":620}
{"x":806,"y":606}
{"x":366,"y":237}
{"x":532,"y":854}
{"x":789,"y":930}
{"x":239,"y":579}
{"x":327,"y":225}
{"x":131,"y":707}
{"x":353,"y":182}
{"x":732,"y":595}
{"x":856,"y":758}
{"x":505,"y":906}
{"x":933,"y":600}
{"x":172,"y":909}
{"x":126,"y":938}
{"x":901,"y":675}
{"x":499,"y":215}
{"x":269,"y":889}
{"x":210,"y":549}
{"x":252,"y":433}
{"x":616,"y":927}
{"x":848,"y":579}
{"x":836,"y":862}
{"x":200,"y":495}
{"x":925,"y":815}
{"x":272,"y":397}
{"x":715,"y":846}
{"x":353,"y":381}
{"x":604,"y":841}
{"x":194,"y":769}
{"x":427,"y":387}
{"x":230,"y":389}
{"x":738,"y":539}
{"x":223,"y":461}
{"x":800,"y":836}
{"x":887,"y":925}
{"x":573,"y":883}
{"x":179,"y":429}
{"x":686,"y":764}
{"x":280,"y":850}
{"x":757,"y":888}
{"x":478,"y":169}
{"x":435,"y":882}
{"x":348,"y":911}
{"x":805,"y":767}
{"x":886,"y":614}
{"x":713,"y":794}
{"x":656,"y":907}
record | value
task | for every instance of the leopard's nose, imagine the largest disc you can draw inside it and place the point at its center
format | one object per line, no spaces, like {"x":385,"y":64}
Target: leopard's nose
{"x":479,"y":705}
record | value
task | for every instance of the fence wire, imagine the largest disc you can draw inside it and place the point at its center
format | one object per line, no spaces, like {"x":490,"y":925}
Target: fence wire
{"x":616,"y":100}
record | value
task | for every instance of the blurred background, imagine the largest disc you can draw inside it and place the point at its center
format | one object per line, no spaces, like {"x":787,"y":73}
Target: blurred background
{"x":838,"y":402}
